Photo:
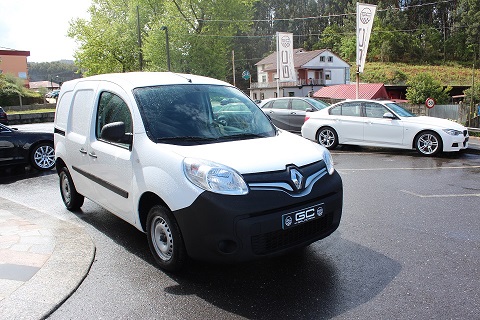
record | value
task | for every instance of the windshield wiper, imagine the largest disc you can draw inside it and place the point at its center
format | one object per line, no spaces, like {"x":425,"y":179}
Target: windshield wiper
{"x":243,"y":135}
{"x":187,"y":138}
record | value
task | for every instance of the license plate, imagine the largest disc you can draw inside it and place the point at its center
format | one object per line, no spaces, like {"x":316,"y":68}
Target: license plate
{"x":295,"y":218}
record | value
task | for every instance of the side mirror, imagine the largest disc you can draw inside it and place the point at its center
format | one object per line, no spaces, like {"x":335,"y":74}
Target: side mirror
{"x":389,"y":115}
{"x":115,"y":132}
{"x":309,"y":109}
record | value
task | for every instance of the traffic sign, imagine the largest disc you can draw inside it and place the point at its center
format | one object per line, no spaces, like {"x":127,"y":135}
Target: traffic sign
{"x":246,"y":75}
{"x":430,"y":103}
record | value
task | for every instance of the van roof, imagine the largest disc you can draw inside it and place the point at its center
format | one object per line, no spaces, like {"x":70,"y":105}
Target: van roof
{"x":131,"y":80}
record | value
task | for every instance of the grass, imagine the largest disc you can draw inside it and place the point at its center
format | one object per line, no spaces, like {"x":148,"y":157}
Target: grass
{"x":449,"y":74}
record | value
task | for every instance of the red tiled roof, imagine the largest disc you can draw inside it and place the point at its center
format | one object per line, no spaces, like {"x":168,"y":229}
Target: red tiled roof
{"x":300,"y":58}
{"x":348,"y":91}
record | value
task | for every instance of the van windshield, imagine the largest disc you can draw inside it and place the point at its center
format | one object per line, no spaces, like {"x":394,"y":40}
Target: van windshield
{"x":190,"y":114}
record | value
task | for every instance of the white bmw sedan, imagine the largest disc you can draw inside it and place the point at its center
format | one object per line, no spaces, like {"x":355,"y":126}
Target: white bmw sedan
{"x":383,"y":124}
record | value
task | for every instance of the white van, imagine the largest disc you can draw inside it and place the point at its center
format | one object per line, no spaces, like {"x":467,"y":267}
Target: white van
{"x":195,"y":164}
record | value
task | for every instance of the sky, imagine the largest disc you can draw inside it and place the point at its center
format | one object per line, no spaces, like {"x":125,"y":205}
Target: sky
{"x":40,"y":26}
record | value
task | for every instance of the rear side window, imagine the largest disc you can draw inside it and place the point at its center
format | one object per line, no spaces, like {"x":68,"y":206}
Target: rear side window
{"x":301,"y":105}
{"x":112,"y":108}
{"x":347,"y":109}
{"x":280,"y":104}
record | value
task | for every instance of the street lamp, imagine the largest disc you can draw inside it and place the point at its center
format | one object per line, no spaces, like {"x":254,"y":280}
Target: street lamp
{"x":167,"y":46}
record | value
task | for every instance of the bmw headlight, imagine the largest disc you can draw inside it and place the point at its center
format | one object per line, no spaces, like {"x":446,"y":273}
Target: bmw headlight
{"x":453,"y":132}
{"x":327,"y":158}
{"x":214,"y":177}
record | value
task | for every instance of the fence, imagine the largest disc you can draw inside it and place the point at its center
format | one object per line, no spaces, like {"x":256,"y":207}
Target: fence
{"x":456,"y":112}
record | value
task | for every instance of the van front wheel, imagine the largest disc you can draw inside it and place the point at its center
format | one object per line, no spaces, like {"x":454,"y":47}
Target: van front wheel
{"x":164,"y":239}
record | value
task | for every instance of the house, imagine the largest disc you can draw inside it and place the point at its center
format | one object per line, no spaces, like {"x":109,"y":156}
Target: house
{"x":49,"y":85}
{"x":14,"y":62}
{"x":313,"y":70}
{"x":349,"y":91}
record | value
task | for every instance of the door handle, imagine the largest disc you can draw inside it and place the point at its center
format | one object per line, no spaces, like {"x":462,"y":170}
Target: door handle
{"x":83,"y":151}
{"x":92,"y":154}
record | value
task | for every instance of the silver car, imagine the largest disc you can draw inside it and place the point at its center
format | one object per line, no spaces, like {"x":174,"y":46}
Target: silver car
{"x":288,"y":113}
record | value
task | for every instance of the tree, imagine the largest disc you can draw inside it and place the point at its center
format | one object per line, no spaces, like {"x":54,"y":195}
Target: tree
{"x":424,"y":86}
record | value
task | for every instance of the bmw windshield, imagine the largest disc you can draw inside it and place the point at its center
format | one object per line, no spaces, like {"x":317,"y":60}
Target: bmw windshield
{"x":200,"y":114}
{"x":400,"y":110}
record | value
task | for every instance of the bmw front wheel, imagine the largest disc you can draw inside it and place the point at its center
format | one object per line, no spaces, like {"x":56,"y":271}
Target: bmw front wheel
{"x":428,"y":143}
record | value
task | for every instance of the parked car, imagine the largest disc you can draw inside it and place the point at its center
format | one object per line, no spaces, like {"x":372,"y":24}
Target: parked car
{"x":147,"y":147}
{"x":3,"y":117}
{"x":288,"y":113}
{"x":383,"y":124}
{"x":22,"y":147}
{"x":52,"y":94}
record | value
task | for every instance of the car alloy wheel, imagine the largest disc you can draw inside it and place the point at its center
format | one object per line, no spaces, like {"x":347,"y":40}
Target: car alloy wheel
{"x":428,"y":143}
{"x":328,"y":138}
{"x":43,"y":156}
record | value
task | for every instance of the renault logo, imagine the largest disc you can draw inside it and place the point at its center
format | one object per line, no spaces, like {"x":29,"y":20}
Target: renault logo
{"x":296,"y":178}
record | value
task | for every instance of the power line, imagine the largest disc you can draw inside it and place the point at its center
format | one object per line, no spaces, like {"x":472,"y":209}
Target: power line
{"x":324,"y":16}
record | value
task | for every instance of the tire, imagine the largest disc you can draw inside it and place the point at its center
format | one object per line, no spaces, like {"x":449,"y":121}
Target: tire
{"x":428,"y":143}
{"x":71,"y":198}
{"x":165,"y":240}
{"x":327,"y":137}
{"x":42,"y":156}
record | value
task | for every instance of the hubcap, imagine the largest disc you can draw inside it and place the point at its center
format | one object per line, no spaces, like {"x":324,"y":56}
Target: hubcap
{"x":44,"y":157}
{"x":66,"y":189}
{"x":162,"y":238}
{"x":326,"y":138}
{"x":427,"y":144}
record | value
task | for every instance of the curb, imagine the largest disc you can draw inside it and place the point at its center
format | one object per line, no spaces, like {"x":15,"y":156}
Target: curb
{"x":69,"y":252}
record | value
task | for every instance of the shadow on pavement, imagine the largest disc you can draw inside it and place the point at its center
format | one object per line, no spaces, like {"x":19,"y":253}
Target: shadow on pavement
{"x":321,"y":281}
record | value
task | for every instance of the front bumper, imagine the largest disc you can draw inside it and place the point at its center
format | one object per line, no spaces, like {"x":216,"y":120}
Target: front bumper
{"x":455,"y":143}
{"x":240,"y":228}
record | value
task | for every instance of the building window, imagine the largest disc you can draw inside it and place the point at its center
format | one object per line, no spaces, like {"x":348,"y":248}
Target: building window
{"x":264,"y":78}
{"x":328,"y":75}
{"x":262,"y":96}
{"x":322,"y":59}
{"x":275,"y":95}
{"x":254,"y":96}
{"x":330,"y":59}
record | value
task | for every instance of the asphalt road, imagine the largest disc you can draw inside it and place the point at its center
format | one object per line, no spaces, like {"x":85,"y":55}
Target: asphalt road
{"x":407,"y":247}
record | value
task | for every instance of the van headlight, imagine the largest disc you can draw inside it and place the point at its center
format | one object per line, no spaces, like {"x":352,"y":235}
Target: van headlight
{"x":327,"y":158}
{"x":214,"y":177}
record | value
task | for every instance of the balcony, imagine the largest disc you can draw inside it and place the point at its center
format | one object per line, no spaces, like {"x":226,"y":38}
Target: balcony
{"x":298,"y":83}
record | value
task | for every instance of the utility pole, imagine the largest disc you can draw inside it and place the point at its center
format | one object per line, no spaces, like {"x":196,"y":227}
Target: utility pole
{"x":140,"y":54}
{"x":167,"y":46}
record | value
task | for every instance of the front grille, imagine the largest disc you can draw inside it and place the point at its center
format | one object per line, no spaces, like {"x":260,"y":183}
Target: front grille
{"x":281,"y":239}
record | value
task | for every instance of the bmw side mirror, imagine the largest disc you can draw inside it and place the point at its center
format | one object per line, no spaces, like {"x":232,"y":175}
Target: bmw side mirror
{"x":389,"y":115}
{"x":309,"y":109}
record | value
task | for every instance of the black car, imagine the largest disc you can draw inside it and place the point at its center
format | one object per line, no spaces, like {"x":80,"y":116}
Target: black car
{"x":3,"y":116}
{"x":288,"y":113}
{"x":21,"y":147}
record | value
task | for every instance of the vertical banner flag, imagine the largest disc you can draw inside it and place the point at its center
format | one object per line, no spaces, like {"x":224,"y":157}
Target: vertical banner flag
{"x":285,"y":66}
{"x":365,"y":15}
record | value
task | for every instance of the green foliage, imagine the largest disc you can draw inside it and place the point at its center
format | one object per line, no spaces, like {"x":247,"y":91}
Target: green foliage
{"x":57,"y":71}
{"x":13,"y":91}
{"x":424,"y":86}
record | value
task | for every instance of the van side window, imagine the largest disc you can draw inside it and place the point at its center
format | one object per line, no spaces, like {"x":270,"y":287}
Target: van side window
{"x":112,"y":108}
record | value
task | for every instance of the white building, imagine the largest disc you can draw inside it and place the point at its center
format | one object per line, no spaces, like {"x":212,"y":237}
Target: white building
{"x":313,"y":70}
